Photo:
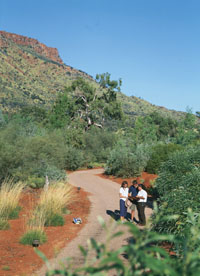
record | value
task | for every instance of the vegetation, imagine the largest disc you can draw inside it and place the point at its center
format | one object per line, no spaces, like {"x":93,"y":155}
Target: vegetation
{"x":52,"y":202}
{"x":160,"y":153}
{"x":124,"y":161}
{"x":144,"y":253}
{"x":34,"y":229}
{"x":178,"y":189}
{"x":10,"y":194}
{"x":31,"y":81}
{"x":55,"y":220}
{"x":31,"y":235}
{"x":46,"y":129}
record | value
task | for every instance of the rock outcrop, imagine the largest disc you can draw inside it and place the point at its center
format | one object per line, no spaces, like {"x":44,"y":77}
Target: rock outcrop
{"x":49,"y":52}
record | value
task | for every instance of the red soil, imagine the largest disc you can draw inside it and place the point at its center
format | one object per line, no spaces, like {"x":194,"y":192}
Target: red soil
{"x":145,"y":176}
{"x":20,"y":260}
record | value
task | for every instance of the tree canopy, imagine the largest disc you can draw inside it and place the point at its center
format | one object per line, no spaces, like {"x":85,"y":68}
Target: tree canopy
{"x":89,"y":104}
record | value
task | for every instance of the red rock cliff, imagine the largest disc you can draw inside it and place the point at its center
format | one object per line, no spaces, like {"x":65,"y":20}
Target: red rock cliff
{"x":41,"y":49}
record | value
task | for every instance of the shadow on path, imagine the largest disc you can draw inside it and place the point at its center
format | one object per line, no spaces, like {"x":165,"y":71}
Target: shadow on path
{"x":116,"y":215}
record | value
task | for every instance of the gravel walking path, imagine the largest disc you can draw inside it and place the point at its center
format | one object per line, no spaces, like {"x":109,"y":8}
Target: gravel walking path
{"x":104,"y":197}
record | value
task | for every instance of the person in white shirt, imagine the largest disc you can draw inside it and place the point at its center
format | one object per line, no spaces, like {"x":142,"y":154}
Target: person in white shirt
{"x":123,"y":195}
{"x":142,"y":196}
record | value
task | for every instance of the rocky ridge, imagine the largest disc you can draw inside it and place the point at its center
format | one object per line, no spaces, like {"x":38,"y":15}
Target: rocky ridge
{"x":49,"y":52}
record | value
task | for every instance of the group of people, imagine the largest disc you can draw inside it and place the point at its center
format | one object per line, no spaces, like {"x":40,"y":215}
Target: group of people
{"x":134,"y":197}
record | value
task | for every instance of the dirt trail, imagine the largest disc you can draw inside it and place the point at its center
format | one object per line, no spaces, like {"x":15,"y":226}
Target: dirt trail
{"x":104,"y":201}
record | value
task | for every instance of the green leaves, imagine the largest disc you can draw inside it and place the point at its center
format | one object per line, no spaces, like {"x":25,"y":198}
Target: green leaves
{"x":178,"y":188}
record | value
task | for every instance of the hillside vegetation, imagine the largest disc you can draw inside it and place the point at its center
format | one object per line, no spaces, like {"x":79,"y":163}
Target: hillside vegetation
{"x":54,"y":118}
{"x":34,"y":74}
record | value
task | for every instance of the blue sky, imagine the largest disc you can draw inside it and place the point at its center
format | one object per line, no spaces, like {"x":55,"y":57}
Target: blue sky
{"x":153,"y":45}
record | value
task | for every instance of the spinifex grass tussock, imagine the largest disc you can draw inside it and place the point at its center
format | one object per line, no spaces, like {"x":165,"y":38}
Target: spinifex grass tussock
{"x":53,"y":201}
{"x":4,"y":225}
{"x":10,"y":194}
{"x":34,"y":229}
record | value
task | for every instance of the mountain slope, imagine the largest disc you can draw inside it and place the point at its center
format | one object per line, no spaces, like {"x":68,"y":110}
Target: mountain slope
{"x":32,"y":73}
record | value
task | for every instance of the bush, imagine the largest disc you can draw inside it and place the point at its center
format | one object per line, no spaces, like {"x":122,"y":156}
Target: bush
{"x":160,"y":154}
{"x":178,"y":188}
{"x":55,"y":220}
{"x":32,"y":235}
{"x":98,"y":144}
{"x":74,"y":159}
{"x":35,"y":182}
{"x":29,"y":151}
{"x":143,"y":254}
{"x":14,"y":214}
{"x":125,"y":162}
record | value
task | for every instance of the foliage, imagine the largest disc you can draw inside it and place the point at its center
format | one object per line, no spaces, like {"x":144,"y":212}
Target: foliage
{"x":38,"y":114}
{"x":27,"y":151}
{"x":178,"y":188}
{"x":160,"y":154}
{"x":188,"y":130}
{"x":34,"y":228}
{"x":55,"y":220}
{"x":32,"y":235}
{"x":98,"y":144}
{"x":143,"y":254}
{"x":14,"y":213}
{"x":126,"y":162}
{"x":166,"y":126}
{"x":35,"y":182}
{"x":74,"y":159}
{"x":81,"y":101}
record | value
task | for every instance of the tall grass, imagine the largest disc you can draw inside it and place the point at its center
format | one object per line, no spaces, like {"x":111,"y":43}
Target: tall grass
{"x":10,"y":194}
{"x":56,"y":198}
{"x":4,"y":225}
{"x":34,"y":229}
{"x":53,"y":201}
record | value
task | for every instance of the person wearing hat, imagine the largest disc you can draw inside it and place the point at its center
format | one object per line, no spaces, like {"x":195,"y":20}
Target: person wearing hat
{"x":142,"y":200}
{"x":133,"y":191}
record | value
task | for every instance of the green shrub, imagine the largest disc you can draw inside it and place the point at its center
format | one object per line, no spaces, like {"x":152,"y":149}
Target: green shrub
{"x":144,"y":254}
{"x":28,"y":152}
{"x":14,"y":213}
{"x":178,"y":188}
{"x":160,"y":154}
{"x":98,"y":144}
{"x":32,"y":235}
{"x":74,"y":159}
{"x":126,"y":162}
{"x":35,"y":182}
{"x":55,"y":174}
{"x":54,"y":220}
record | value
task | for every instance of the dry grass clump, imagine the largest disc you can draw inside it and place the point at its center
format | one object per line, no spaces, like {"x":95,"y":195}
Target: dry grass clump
{"x":56,"y":198}
{"x":10,"y":194}
{"x":4,"y":225}
{"x":34,"y":229}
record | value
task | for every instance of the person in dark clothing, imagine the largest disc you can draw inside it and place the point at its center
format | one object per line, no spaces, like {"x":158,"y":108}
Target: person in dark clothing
{"x":142,"y":200}
{"x":133,"y":191}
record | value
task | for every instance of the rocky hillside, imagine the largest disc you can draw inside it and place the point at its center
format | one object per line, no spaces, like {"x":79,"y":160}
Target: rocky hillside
{"x":32,"y":73}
